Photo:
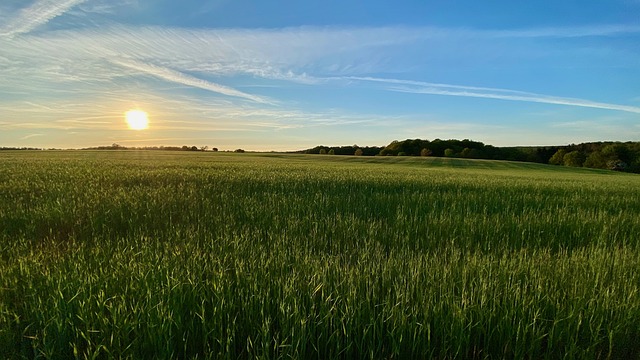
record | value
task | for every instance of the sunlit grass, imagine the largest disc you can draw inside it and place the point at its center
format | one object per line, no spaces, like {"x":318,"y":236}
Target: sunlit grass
{"x":174,"y":255}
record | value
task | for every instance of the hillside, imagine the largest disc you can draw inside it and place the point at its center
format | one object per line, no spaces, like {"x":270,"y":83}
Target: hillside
{"x":597,"y":155}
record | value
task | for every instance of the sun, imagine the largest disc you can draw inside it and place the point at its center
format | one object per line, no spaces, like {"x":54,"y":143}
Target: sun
{"x":137,"y":119}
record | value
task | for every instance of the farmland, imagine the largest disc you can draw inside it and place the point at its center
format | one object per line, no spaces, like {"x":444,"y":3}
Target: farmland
{"x":140,"y":254}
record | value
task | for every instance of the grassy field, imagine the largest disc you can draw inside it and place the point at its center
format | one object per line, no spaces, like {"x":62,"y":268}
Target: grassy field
{"x":209,"y":255}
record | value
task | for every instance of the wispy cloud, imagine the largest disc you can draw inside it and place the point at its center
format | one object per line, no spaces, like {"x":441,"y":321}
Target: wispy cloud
{"x":177,"y":113}
{"x":39,"y":13}
{"x":31,"y":136}
{"x":418,"y":87}
{"x":181,"y":78}
{"x":567,"y":32}
{"x":534,"y":98}
{"x":99,"y":55}
{"x":285,"y":54}
{"x":109,"y":7}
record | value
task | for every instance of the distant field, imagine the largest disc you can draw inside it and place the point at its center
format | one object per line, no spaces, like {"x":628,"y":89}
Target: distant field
{"x":125,"y":254}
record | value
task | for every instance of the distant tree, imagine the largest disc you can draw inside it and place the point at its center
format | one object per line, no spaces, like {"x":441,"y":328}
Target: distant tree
{"x":185,"y":147}
{"x":617,"y":152}
{"x":215,"y":149}
{"x":371,"y":150}
{"x":402,"y":153}
{"x":573,"y":158}
{"x":332,"y":152}
{"x":595,"y":160}
{"x":204,"y":148}
{"x":558,"y":157}
{"x":449,"y":152}
{"x":194,"y":148}
{"x":392,"y":149}
{"x":358,"y":152}
{"x":635,"y":165}
{"x":323,"y":151}
{"x":425,"y":152}
{"x":238,"y":150}
{"x":477,"y":154}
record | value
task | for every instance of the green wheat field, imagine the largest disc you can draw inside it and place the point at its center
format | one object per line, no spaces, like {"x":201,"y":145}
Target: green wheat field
{"x":172,"y":255}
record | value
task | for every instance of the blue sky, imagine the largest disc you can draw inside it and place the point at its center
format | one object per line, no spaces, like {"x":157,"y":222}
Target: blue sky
{"x":287,"y":75}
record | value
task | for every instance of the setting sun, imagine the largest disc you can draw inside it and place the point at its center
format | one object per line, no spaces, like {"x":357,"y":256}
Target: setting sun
{"x":137,"y":119}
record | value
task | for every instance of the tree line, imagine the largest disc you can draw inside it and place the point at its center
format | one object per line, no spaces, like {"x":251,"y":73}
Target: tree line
{"x":620,"y":156}
{"x":116,"y":146}
{"x":19,"y":148}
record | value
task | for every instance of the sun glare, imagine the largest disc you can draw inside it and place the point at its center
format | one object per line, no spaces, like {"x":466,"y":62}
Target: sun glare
{"x":137,"y":119}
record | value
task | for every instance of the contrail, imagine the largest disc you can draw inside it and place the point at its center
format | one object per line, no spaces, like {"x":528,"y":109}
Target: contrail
{"x":540,"y":99}
{"x":491,"y":93}
{"x":181,"y":78}
{"x":37,"y":14}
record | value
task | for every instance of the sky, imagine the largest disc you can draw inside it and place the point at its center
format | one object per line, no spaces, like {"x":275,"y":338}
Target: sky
{"x":289,"y":74}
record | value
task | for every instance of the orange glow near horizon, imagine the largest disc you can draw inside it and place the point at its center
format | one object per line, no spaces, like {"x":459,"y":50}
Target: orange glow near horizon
{"x":137,"y":119}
